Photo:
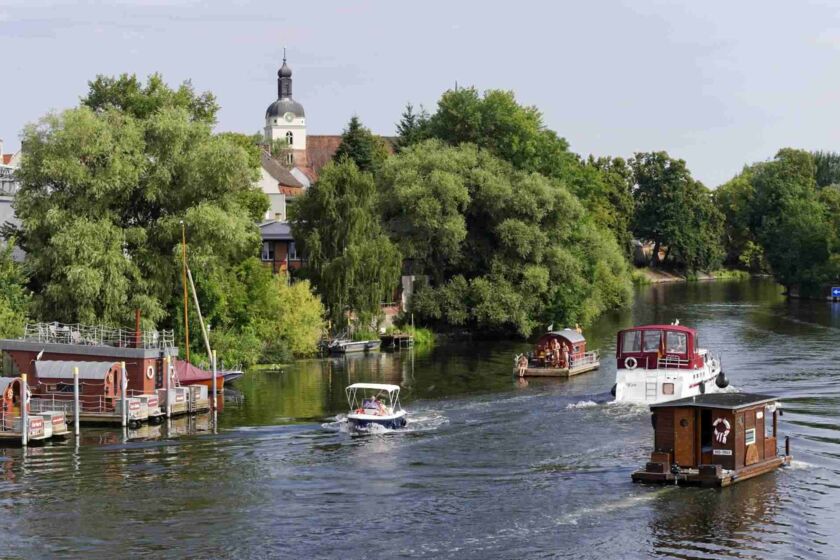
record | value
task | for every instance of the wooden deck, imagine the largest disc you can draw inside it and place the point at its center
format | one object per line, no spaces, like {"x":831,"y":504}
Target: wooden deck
{"x":557,"y":372}
{"x":707,"y":475}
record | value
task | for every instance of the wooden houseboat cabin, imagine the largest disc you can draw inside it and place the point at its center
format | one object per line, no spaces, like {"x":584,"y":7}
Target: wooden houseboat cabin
{"x":714,"y":440}
{"x":558,"y":354}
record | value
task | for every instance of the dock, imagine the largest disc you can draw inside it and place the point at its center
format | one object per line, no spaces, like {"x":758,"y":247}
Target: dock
{"x":396,"y":340}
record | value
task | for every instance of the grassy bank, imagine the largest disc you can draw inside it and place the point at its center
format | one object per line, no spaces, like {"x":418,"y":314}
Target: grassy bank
{"x":645,"y":276}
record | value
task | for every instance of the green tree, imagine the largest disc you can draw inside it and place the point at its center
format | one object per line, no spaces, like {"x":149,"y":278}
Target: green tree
{"x":791,"y":222}
{"x":517,"y":134}
{"x":361,"y":146}
{"x":827,"y":168}
{"x":351,"y":262}
{"x":14,"y":298}
{"x":130,"y":96}
{"x":735,"y":199}
{"x":412,"y":128}
{"x":104,"y":188}
{"x":504,"y":250}
{"x":674,"y":210}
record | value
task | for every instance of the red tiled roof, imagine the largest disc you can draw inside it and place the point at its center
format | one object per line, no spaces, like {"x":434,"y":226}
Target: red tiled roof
{"x":278,"y":172}
{"x":7,"y":158}
{"x":320,"y":149}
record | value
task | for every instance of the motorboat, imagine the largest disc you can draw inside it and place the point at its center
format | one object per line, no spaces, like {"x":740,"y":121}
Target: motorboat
{"x":660,"y":363}
{"x":374,"y":403}
{"x":557,"y":354}
{"x":344,"y":346}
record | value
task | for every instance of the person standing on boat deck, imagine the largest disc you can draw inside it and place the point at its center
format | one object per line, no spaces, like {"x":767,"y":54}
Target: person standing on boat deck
{"x":565,"y":356}
{"x":555,"y":352}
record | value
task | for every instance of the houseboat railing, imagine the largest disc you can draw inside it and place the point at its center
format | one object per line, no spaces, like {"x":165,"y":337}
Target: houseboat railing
{"x":585,"y":359}
{"x":97,"y":335}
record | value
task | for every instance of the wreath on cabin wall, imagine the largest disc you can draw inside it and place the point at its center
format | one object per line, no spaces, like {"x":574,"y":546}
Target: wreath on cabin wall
{"x":722,"y":429}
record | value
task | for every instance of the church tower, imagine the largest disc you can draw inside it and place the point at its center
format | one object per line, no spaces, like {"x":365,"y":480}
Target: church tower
{"x":285,"y":119}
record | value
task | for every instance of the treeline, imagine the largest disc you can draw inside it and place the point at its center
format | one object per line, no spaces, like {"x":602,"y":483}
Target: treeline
{"x":104,"y":189}
{"x":783,"y":217}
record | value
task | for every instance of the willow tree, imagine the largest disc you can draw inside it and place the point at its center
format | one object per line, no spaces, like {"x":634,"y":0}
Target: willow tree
{"x":351,"y":262}
{"x":104,"y":188}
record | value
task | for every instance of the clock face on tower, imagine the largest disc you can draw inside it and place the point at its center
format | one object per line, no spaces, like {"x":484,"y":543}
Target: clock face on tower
{"x":289,"y":117}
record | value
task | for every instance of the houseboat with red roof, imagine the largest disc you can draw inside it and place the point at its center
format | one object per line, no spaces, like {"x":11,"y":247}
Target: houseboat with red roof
{"x":557,"y":354}
{"x":659,"y":363}
{"x":714,"y":440}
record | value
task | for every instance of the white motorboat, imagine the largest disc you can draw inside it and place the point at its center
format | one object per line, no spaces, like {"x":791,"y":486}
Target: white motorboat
{"x":660,"y":363}
{"x":374,"y":403}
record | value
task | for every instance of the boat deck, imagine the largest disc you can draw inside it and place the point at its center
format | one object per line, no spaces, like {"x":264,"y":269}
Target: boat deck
{"x":556,"y":371}
{"x":706,"y":475}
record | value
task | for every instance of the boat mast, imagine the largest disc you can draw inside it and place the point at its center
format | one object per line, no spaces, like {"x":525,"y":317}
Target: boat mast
{"x":184,"y":282}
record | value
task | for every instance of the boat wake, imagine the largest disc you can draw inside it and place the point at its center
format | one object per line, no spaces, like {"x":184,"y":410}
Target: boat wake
{"x":582,"y":404}
{"x":426,"y":422}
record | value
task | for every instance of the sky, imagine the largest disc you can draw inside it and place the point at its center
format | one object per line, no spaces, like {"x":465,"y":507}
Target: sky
{"x":719,"y":84}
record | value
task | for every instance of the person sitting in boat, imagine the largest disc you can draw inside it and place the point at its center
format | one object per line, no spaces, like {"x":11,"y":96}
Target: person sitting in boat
{"x":371,"y":403}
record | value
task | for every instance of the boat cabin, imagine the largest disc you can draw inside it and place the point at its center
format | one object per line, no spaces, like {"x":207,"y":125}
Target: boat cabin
{"x":658,"y":346}
{"x":714,"y":439}
{"x":100,"y":387}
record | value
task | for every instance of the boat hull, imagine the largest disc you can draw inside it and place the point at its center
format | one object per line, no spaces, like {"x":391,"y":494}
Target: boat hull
{"x":220,"y":382}
{"x":354,"y":347}
{"x":364,"y":421}
{"x":708,"y":476}
{"x":654,"y":386}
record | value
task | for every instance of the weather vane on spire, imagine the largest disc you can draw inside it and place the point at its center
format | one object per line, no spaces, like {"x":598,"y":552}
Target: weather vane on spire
{"x":284,"y":54}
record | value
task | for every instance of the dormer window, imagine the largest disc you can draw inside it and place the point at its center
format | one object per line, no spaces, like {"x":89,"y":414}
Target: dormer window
{"x":290,"y":138}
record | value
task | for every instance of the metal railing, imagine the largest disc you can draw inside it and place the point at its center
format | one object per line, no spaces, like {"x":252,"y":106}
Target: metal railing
{"x":97,"y":335}
{"x":666,"y":362}
{"x":585,"y":359}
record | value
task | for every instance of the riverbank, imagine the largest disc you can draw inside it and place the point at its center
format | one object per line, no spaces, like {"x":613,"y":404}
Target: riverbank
{"x":645,"y":276}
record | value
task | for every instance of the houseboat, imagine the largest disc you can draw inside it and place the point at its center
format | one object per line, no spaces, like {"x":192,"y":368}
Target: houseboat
{"x":557,"y":354}
{"x":659,"y":363}
{"x":374,"y":403}
{"x":40,"y":427}
{"x":714,"y":440}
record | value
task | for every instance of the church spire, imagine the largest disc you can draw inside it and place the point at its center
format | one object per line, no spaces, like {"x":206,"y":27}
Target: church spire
{"x":284,"y":80}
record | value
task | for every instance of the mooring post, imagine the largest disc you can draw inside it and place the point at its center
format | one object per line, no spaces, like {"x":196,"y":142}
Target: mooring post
{"x":214,"y":380}
{"x":167,"y":365}
{"x":76,"y":408}
{"x":787,"y":446}
{"x":124,"y":397}
{"x":24,"y":414}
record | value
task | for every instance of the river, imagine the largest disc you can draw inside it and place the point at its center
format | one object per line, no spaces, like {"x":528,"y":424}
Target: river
{"x":489,"y":468}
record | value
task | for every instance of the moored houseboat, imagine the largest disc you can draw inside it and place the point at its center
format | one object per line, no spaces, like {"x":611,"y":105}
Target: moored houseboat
{"x":557,"y":354}
{"x":342,"y":346}
{"x":11,"y":421}
{"x":714,"y":440}
{"x":659,"y":363}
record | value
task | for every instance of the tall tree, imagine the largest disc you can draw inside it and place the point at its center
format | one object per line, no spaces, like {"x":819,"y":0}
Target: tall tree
{"x":504,"y":250}
{"x":827,"y":170}
{"x":674,"y":210}
{"x":104,"y":188}
{"x":412,"y":128}
{"x":791,"y":222}
{"x":351,"y":262}
{"x":14,"y":297}
{"x":361,"y":146}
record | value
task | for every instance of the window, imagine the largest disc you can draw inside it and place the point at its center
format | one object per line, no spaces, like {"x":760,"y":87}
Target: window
{"x":749,"y":436}
{"x":293,"y":256}
{"x":675,"y":343}
{"x":289,"y":159}
{"x":768,"y":421}
{"x":268,"y":251}
{"x":290,"y":138}
{"x":652,"y":339}
{"x":632,"y":341}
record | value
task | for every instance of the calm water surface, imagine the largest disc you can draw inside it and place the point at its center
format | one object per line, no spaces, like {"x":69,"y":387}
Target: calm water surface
{"x":490,"y":468}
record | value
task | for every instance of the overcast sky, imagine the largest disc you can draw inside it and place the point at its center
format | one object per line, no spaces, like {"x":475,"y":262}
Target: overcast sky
{"x":719,"y":84}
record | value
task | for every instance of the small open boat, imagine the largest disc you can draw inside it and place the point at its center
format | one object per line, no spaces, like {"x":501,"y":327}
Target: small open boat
{"x":343,"y":346}
{"x":714,"y":440}
{"x":557,"y":354}
{"x":374,"y":403}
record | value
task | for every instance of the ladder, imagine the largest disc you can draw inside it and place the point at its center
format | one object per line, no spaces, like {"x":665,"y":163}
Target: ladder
{"x":650,"y":389}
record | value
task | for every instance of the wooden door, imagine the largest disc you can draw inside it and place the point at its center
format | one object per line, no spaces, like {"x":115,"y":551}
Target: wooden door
{"x":684,"y":437}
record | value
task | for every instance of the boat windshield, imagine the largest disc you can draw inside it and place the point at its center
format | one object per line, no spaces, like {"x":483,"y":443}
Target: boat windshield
{"x":652,"y":339}
{"x":632,"y":342}
{"x":675,"y":343}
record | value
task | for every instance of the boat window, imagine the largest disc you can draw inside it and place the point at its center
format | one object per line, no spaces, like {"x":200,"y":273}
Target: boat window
{"x":675,"y":343}
{"x":632,"y":341}
{"x":652,"y":339}
{"x":667,"y":388}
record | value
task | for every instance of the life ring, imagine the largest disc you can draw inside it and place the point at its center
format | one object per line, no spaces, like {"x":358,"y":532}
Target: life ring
{"x":9,"y":393}
{"x":630,"y":362}
{"x":722,"y":428}
{"x":150,"y":373}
